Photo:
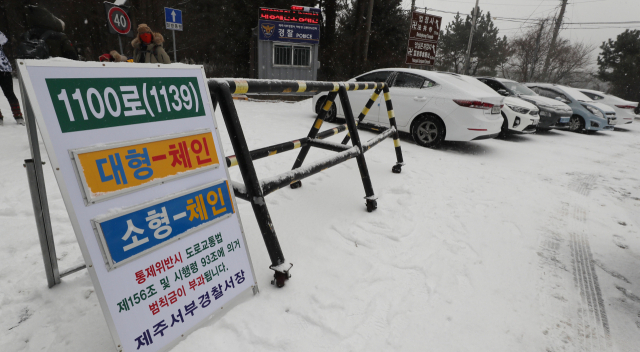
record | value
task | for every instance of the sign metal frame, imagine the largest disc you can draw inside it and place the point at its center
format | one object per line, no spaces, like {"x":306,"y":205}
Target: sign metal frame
{"x":33,"y":107}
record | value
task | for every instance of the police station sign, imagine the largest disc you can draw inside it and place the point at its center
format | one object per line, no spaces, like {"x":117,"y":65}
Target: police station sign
{"x":136,"y":153}
{"x":289,"y":32}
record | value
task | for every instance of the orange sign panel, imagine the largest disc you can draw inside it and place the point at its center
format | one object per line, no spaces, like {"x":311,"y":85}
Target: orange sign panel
{"x":107,"y":172}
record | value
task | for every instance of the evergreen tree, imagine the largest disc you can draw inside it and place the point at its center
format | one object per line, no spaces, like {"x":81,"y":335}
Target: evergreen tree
{"x":488,"y":50}
{"x":619,"y":64}
{"x":387,"y":44}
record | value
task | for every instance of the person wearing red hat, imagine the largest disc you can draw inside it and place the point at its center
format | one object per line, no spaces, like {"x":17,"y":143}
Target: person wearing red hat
{"x":147,"y":48}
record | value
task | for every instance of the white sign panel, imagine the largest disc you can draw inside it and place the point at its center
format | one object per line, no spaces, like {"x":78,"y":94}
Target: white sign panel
{"x":137,"y":156}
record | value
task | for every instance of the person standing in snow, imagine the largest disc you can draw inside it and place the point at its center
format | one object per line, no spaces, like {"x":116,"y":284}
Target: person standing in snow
{"x":147,"y":48}
{"x":6,"y":82}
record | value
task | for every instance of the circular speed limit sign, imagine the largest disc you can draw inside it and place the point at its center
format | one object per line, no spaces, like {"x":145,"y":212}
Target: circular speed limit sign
{"x":119,"y":20}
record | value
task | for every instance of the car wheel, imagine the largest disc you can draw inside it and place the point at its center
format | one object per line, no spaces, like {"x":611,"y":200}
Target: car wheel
{"x":333,"y":112}
{"x":428,"y":131}
{"x":576,"y":123}
{"x":505,"y":126}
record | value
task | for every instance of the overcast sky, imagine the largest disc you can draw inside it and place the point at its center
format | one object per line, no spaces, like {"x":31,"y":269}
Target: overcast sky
{"x":577,"y":11}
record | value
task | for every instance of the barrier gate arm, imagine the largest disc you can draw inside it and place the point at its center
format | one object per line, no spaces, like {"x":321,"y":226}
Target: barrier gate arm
{"x":254,"y":190}
{"x":370,"y":198}
{"x":397,"y":168}
{"x":222,"y":93}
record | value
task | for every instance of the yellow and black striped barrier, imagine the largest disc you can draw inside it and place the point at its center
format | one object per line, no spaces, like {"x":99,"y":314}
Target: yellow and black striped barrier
{"x":396,"y":136}
{"x":244,"y":86}
{"x":254,"y":190}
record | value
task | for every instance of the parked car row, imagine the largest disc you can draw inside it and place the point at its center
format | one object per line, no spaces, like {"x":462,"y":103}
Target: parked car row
{"x":437,"y":106}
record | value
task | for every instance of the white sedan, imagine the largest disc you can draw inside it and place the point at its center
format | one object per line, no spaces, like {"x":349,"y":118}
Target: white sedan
{"x":431,"y":106}
{"x":624,"y":108}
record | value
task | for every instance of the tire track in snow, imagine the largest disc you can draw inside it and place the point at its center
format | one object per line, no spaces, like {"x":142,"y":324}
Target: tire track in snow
{"x":571,"y":298}
{"x":595,"y":327}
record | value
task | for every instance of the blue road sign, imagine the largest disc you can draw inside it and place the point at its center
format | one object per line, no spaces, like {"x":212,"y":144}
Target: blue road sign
{"x":173,"y":19}
{"x":144,"y":229}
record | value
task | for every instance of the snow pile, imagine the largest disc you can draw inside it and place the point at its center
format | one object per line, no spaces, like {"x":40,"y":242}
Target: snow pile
{"x":524,"y":244}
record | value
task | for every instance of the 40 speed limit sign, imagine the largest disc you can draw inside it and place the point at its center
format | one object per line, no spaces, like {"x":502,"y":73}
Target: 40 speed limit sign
{"x":118,"y":18}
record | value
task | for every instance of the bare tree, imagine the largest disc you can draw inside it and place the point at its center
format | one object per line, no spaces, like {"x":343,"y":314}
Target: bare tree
{"x":567,"y":64}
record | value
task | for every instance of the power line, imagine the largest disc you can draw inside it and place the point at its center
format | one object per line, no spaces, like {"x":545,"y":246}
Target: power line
{"x":515,"y":19}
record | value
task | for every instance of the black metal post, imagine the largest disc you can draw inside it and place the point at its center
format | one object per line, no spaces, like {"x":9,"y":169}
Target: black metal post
{"x":274,"y":183}
{"x":362,"y":164}
{"x":270,"y":150}
{"x":312,"y":134}
{"x":331,"y":132}
{"x":254,"y":191}
{"x":397,"y":168}
{"x":365,"y":110}
{"x":335,"y":147}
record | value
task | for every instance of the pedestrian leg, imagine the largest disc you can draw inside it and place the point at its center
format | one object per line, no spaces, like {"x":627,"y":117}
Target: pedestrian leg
{"x":6,"y":83}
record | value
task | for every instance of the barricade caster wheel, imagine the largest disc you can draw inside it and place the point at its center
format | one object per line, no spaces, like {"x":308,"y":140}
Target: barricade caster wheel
{"x":371,"y":205}
{"x":396,"y":169}
{"x":279,"y":279}
{"x":296,"y":184}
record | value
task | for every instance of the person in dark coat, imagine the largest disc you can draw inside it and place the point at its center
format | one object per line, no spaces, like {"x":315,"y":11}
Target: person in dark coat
{"x":44,"y":37}
{"x":147,"y":48}
{"x":6,"y":82}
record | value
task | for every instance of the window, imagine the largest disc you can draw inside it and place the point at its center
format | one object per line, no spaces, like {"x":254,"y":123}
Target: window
{"x":378,"y":76}
{"x":282,"y":55}
{"x":429,"y":83}
{"x":408,"y":80}
{"x":592,"y":96}
{"x":550,"y":93}
{"x":291,"y":55}
{"x":493,"y":84}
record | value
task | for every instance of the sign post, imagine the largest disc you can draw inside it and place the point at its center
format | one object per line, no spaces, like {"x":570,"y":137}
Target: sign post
{"x":173,"y":22}
{"x":138,"y":159}
{"x":119,"y":21}
{"x":423,"y":39}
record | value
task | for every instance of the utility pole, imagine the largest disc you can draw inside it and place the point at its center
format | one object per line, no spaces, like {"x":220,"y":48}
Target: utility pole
{"x":366,"y":40}
{"x":552,"y":47}
{"x":467,"y":60}
{"x":535,"y":56}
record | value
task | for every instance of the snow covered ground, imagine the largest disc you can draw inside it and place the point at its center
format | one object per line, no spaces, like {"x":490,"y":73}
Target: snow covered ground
{"x":525,"y":244}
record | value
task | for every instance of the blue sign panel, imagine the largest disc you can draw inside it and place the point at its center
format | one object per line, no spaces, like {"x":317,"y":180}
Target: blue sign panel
{"x":173,"y":19}
{"x":134,"y":232}
{"x":289,"y":32}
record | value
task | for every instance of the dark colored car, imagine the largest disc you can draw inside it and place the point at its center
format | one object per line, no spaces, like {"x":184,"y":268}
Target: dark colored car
{"x":553,"y":113}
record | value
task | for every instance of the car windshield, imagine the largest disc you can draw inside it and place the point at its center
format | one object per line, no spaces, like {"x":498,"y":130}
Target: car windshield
{"x":576,"y":94}
{"x":518,"y":88}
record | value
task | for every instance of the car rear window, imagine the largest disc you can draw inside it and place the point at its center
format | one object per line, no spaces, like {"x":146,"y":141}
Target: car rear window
{"x":378,"y":76}
{"x":408,"y":80}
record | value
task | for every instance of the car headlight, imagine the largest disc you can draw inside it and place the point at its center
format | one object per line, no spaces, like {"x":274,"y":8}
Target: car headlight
{"x":544,"y":113}
{"x":594,"y":111}
{"x":518,"y":109}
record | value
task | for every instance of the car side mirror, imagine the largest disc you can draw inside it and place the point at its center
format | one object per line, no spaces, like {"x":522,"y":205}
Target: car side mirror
{"x":562,"y":100}
{"x":503,"y":92}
